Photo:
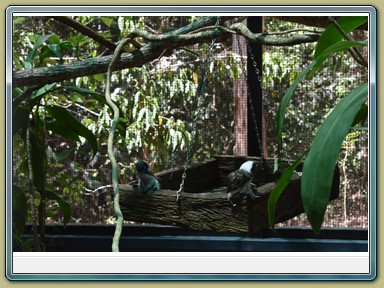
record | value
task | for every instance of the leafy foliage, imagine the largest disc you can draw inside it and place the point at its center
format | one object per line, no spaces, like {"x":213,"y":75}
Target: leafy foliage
{"x":325,"y":148}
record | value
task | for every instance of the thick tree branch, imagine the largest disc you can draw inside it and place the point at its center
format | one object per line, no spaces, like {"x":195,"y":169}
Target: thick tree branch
{"x":186,"y":35}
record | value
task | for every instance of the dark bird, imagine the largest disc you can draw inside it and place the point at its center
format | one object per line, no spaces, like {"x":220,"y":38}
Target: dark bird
{"x":240,"y":181}
{"x":147,"y":181}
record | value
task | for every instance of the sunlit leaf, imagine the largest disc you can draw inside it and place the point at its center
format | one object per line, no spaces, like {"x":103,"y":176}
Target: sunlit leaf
{"x":17,"y":20}
{"x":318,"y":169}
{"x":107,"y":20}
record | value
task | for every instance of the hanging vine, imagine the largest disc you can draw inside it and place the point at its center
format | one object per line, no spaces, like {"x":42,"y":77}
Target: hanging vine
{"x":115,"y":120}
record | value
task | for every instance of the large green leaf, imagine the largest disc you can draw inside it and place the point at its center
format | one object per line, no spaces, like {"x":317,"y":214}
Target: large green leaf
{"x":312,"y":67}
{"x":284,"y":104}
{"x":361,"y":116}
{"x":318,"y":169}
{"x":337,"y":47}
{"x":279,"y":188}
{"x":331,"y":35}
{"x":61,"y":128}
{"x":64,"y":205}
{"x":63,"y":116}
{"x":19,"y":209}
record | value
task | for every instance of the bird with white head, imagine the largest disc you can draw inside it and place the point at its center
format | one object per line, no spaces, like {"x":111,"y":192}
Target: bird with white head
{"x":240,"y":181}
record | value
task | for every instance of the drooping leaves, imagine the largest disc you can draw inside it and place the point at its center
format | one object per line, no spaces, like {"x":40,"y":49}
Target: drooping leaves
{"x":64,"y":118}
{"x":319,"y":166}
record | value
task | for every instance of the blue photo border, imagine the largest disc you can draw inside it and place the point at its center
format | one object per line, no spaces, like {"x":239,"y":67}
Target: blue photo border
{"x":208,"y":10}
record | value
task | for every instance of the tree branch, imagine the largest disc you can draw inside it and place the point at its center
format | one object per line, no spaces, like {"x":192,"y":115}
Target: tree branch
{"x":86,"y":31}
{"x":151,"y":51}
{"x":264,"y":39}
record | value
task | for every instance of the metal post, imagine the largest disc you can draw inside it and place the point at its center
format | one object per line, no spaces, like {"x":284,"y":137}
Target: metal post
{"x":255,"y":24}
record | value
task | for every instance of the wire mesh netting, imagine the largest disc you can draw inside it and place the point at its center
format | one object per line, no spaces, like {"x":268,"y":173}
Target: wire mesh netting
{"x":161,"y":100}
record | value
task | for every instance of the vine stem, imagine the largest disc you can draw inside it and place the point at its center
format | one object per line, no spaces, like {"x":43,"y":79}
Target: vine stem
{"x":115,"y":184}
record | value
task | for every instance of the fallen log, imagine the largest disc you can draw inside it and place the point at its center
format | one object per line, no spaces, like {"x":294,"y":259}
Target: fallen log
{"x":210,"y":210}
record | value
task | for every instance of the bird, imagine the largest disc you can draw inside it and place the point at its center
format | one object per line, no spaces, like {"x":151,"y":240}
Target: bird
{"x":240,"y":181}
{"x":147,"y":181}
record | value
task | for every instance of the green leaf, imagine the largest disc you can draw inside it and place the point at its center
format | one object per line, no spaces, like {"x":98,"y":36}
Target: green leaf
{"x":20,"y":118}
{"x":361,"y":116}
{"x":65,"y":118}
{"x":18,"y":20}
{"x":318,"y":169}
{"x":284,"y":104}
{"x":56,"y":49}
{"x":279,"y":188}
{"x":40,"y":40}
{"x":107,"y":20}
{"x":81,"y":90}
{"x":337,"y":47}
{"x":64,"y":205}
{"x":36,"y":138}
{"x":43,"y":90}
{"x":60,"y":128}
{"x":96,"y":95}
{"x":63,"y":155}
{"x":331,"y":35}
{"x":19,"y":209}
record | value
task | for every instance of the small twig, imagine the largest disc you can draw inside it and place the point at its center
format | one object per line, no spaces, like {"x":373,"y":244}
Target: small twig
{"x":97,"y":189}
{"x":82,"y":107}
{"x":354,"y":51}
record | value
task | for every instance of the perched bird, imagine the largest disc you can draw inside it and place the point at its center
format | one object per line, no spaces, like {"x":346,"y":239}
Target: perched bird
{"x":240,"y":181}
{"x":147,"y":181}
